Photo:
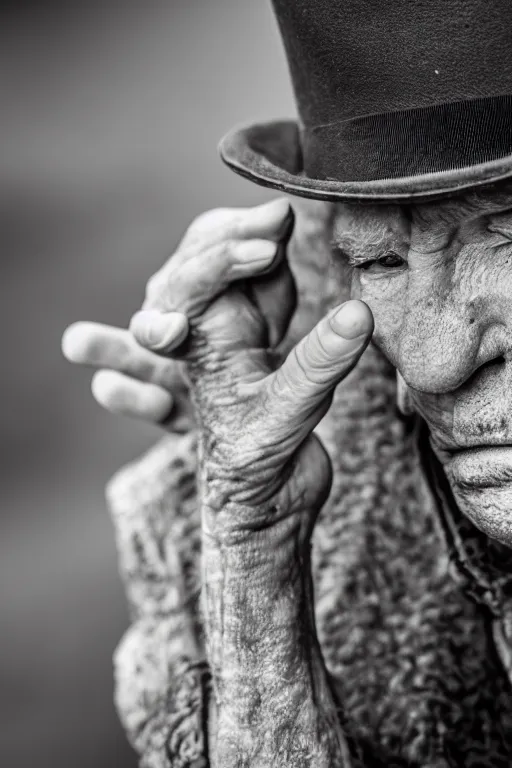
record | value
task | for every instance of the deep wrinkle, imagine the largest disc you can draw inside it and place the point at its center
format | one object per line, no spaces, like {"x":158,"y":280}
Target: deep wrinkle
{"x":443,"y":318}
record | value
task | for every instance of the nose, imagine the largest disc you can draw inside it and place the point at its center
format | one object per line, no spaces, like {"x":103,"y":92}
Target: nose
{"x":447,"y":336}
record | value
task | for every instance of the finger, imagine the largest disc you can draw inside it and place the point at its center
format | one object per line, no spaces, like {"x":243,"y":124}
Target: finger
{"x":320,"y":361}
{"x":269,"y":220}
{"x":156,"y":330}
{"x":206,"y":263}
{"x":194,"y":282}
{"x":264,"y":221}
{"x":159,"y":331}
{"x":105,"y":346}
{"x":125,"y":396}
{"x":275,"y":294}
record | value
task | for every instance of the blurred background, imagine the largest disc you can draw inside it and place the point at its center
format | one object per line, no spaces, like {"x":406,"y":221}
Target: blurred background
{"x":111,"y":113}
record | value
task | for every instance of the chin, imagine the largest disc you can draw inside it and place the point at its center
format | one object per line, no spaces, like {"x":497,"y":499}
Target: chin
{"x":489,"y":508}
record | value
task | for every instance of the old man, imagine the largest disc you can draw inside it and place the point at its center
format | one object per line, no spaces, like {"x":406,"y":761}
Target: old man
{"x":318,"y":556}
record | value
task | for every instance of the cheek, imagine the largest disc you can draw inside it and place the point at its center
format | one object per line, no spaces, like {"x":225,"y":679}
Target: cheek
{"x":387,"y":298}
{"x":437,"y":410}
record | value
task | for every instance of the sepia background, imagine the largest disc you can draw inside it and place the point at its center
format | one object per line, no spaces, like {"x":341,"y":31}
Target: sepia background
{"x":110,"y":115}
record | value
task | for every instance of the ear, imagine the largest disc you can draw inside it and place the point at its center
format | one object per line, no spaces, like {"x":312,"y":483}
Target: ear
{"x":403,"y":396}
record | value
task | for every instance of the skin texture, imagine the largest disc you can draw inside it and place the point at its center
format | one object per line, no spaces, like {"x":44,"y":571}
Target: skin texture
{"x":441,"y":315}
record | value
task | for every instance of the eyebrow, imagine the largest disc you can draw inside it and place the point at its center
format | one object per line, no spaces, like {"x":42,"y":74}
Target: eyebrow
{"x":365,"y":244}
{"x":359,"y":248}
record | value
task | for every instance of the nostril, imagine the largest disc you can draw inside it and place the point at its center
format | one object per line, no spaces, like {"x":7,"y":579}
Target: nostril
{"x":475,"y":378}
{"x":471,"y":320}
{"x":495,"y":361}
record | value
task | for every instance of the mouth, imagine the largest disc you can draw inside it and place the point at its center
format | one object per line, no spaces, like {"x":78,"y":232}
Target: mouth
{"x":480,"y":466}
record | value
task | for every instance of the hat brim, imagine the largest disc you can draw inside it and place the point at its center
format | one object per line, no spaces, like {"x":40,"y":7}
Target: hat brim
{"x":269,"y":154}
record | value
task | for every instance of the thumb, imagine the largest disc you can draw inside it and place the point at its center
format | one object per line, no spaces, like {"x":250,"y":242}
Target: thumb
{"x":319,"y":362}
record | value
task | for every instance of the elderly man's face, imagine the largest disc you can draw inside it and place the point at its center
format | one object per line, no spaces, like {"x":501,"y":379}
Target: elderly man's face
{"x":438,"y":278}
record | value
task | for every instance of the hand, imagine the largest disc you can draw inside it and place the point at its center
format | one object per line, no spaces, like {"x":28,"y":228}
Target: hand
{"x":218,"y":313}
{"x":256,"y":422}
{"x":130,"y":381}
{"x":124,"y":368}
{"x":263,"y":477}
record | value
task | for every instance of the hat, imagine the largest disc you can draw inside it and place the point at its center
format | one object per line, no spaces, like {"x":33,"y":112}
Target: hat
{"x":397,"y":100}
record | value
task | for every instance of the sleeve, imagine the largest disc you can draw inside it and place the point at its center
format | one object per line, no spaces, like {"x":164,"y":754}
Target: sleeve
{"x":162,"y":682}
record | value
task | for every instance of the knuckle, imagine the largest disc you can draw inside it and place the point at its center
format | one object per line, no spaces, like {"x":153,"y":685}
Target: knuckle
{"x":220,"y":257}
{"x":292,"y":376}
{"x":219,"y":229}
{"x":316,"y":350}
{"x":238,"y":223}
{"x":212,"y":217}
{"x":313,"y":361}
{"x":155,"y":285}
{"x":228,"y":249}
{"x":304,"y":361}
{"x":211,"y":222}
{"x":203,"y":221}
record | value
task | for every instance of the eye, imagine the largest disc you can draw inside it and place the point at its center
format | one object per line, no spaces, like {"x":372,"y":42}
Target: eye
{"x":388,"y":260}
{"x":504,"y":231}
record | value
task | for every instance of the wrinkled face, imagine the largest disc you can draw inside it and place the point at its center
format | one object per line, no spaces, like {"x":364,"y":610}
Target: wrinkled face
{"x":438,"y":278}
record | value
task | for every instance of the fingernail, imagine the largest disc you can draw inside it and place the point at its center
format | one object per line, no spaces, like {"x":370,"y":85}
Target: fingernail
{"x":351,"y":320}
{"x":157,"y":330}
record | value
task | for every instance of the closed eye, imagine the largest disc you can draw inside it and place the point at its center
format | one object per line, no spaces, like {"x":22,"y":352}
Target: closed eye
{"x":504,"y":231}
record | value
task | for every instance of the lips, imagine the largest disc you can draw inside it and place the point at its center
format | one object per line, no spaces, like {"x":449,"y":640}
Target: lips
{"x":481,"y":467}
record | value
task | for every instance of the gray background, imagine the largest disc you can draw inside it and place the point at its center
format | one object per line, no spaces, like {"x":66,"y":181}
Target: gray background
{"x":110,"y":115}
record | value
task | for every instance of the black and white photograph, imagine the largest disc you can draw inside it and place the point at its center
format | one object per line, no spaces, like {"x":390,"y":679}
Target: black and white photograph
{"x":257,"y":416}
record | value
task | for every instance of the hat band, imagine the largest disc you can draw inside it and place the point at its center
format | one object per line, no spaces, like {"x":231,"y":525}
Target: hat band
{"x":410,"y":142}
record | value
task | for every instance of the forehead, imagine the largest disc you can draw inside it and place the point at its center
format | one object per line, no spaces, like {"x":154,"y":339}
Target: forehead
{"x":368,"y":223}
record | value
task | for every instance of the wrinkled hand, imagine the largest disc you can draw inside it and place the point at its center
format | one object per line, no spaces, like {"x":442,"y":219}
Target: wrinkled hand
{"x":220,"y":304}
{"x":132,"y":381}
{"x":212,"y":309}
{"x":135,"y":382}
{"x":214,"y":313}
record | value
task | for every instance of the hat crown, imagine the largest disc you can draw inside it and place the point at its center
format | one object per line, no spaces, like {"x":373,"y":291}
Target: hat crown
{"x":359,"y":57}
{"x":396,"y":99}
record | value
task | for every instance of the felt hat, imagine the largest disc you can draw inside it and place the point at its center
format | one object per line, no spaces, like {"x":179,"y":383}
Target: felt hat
{"x":397,"y":100}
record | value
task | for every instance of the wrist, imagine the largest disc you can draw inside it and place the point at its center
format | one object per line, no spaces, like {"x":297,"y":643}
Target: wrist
{"x":256,"y":582}
{"x":241,"y":497}
{"x":267,"y":668}
{"x":269,"y":534}
{"x":268,"y":673}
